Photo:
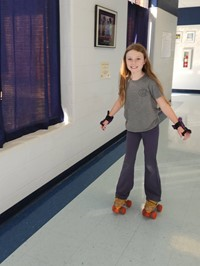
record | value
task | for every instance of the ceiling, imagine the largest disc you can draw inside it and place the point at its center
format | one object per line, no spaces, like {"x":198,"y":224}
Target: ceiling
{"x":188,"y":3}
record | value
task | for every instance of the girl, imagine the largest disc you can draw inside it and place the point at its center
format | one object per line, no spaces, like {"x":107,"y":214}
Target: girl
{"x":140,"y":92}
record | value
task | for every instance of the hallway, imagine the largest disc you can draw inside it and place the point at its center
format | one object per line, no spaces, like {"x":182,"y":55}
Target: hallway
{"x":86,"y":232}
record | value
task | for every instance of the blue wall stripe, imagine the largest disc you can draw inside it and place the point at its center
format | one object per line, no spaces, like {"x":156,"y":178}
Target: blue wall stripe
{"x":189,"y":16}
{"x":186,"y":91}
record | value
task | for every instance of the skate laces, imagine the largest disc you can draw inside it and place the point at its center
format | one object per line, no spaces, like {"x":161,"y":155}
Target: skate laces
{"x":119,"y":202}
{"x":150,"y":205}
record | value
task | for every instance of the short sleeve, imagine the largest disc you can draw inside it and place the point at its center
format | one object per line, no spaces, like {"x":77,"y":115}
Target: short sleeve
{"x":154,"y":90}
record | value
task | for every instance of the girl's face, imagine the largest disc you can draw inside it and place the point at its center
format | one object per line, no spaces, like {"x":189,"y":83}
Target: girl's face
{"x":135,"y":62}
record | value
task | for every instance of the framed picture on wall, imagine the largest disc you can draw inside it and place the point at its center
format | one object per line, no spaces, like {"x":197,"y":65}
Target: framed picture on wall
{"x":187,"y":57}
{"x":105,"y":27}
{"x":190,"y":36}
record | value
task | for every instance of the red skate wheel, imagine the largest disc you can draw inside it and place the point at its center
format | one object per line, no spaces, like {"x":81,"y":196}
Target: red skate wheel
{"x":159,"y":207}
{"x":122,"y":210}
{"x":128,"y":203}
{"x":115,"y":210}
{"x":145,"y":214}
{"x":153,"y":215}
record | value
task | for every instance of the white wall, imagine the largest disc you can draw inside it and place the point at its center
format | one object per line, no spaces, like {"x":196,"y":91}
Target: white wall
{"x":187,"y":78}
{"x":31,"y":161}
{"x":163,"y":25}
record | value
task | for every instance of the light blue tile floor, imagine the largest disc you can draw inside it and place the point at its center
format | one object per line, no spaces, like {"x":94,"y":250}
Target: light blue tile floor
{"x":86,"y":232}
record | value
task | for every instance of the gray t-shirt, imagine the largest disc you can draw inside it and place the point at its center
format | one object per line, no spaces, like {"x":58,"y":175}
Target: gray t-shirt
{"x":140,"y":108}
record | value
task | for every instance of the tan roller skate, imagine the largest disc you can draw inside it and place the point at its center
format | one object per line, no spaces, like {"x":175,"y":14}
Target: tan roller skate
{"x":151,"y":208}
{"x":120,"y":205}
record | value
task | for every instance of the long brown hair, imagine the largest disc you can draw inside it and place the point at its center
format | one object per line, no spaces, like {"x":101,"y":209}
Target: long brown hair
{"x":147,"y":69}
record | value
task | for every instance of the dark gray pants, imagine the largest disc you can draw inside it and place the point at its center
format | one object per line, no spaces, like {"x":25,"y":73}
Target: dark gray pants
{"x":152,"y":183}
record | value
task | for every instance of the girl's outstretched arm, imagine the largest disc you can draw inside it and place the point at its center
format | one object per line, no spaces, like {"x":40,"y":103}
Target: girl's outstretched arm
{"x":169,"y":112}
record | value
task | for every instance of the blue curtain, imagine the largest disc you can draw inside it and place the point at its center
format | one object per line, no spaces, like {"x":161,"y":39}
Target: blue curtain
{"x":30,"y":67}
{"x":137,"y":26}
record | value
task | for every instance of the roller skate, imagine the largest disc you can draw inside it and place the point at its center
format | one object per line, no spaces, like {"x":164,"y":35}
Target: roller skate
{"x":119,"y":206}
{"x":151,"y":208}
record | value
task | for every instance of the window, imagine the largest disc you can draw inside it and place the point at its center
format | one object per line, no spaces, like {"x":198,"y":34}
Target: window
{"x":30,"y":67}
{"x":137,"y":25}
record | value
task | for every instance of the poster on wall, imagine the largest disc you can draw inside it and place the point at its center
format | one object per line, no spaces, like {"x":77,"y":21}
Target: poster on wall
{"x":179,"y":36}
{"x":187,"y":58}
{"x":190,"y":36}
{"x":105,"y":70}
{"x":105,"y":27}
{"x":166,"y":44}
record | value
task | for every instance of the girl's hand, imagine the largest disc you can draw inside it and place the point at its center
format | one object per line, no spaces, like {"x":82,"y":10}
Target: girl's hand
{"x":186,"y":135}
{"x":104,"y":124}
{"x":108,"y":119}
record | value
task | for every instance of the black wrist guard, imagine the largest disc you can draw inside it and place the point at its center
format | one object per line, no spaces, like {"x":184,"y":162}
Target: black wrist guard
{"x":108,"y":118}
{"x":181,"y":124}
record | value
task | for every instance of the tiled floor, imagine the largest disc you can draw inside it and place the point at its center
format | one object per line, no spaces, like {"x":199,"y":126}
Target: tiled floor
{"x":86,"y":232}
